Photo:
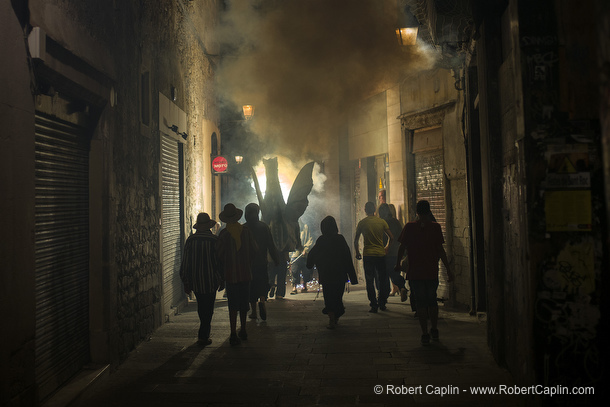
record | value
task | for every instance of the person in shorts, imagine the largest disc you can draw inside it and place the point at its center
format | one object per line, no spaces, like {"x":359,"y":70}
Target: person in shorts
{"x":423,"y":241}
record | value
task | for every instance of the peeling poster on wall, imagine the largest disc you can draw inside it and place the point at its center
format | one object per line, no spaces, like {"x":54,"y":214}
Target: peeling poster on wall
{"x":568,"y":189}
{"x":576,"y":267}
{"x":568,"y":211}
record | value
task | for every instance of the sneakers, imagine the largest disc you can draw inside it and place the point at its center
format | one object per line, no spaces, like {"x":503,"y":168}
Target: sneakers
{"x":373,"y":310}
{"x":434,"y":334}
{"x":425,"y":339}
{"x":294,"y":292}
{"x":404,"y":294}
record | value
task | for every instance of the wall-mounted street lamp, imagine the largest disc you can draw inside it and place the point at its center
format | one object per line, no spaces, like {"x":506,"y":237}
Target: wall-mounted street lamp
{"x":248,"y":111}
{"x":408,"y":27}
{"x":239,"y":159}
{"x":407,"y":35}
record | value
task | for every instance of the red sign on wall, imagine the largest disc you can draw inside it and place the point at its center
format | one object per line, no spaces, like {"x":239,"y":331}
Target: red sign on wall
{"x":220,"y":165}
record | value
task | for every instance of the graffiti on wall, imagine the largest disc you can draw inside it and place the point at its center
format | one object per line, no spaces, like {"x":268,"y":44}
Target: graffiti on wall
{"x":568,"y":316}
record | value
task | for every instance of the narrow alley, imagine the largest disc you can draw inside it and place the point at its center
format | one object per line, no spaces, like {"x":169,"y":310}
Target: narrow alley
{"x":293,"y":359}
{"x":126,"y":121}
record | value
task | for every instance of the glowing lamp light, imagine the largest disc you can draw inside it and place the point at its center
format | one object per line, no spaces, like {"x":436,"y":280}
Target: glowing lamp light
{"x":239,"y":159}
{"x":407,"y":27}
{"x":248,"y":111}
{"x":407,"y":35}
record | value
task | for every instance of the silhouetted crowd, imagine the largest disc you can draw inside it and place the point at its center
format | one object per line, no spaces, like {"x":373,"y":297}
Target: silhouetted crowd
{"x":243,"y":260}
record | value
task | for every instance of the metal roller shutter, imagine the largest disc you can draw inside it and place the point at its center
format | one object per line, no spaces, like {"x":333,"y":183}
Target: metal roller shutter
{"x":429,"y":168}
{"x":62,"y":252}
{"x":172,"y":199}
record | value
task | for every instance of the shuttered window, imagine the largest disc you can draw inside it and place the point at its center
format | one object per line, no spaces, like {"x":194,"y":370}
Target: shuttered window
{"x":62,"y":252}
{"x":430,"y":183}
{"x":172,"y":204}
{"x":430,"y":186}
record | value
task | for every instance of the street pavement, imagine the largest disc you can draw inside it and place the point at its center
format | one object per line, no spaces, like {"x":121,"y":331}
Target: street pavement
{"x":293,"y":359}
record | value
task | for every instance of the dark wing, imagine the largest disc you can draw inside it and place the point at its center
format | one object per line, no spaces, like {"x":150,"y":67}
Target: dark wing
{"x":259,"y":194}
{"x":297,"y":199}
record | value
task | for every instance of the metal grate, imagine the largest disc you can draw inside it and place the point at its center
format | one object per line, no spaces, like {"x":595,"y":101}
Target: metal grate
{"x":171,"y":199}
{"x":429,"y":168}
{"x":62,"y":252}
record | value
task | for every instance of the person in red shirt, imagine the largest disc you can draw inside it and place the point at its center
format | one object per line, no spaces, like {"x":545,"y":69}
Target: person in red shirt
{"x":423,"y":241}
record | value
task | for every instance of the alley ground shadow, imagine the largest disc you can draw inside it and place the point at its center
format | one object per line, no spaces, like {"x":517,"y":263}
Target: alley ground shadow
{"x":292,"y":359}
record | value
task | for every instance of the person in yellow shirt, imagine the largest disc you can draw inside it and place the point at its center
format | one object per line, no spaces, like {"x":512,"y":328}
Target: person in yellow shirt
{"x":373,"y":255}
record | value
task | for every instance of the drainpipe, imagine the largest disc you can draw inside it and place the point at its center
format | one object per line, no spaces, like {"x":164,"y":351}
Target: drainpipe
{"x":473,"y":299}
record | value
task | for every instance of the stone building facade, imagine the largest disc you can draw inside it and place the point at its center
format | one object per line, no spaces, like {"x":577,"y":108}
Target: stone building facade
{"x":509,"y":135}
{"x":516,"y":117}
{"x":532,"y":120}
{"x":375,"y":152}
{"x":110,"y":117}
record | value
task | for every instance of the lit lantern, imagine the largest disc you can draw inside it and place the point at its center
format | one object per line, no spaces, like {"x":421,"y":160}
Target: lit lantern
{"x":407,"y":36}
{"x":248,"y":111}
{"x":408,"y":26}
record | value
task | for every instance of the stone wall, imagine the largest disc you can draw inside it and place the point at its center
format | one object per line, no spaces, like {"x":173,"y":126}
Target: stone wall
{"x":430,"y":100}
{"x":458,"y":211}
{"x":103,"y":49}
{"x":172,"y":41}
{"x":561,"y":118}
{"x":458,"y":246}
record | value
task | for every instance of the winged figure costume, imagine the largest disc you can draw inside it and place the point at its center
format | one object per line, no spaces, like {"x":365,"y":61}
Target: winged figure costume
{"x":283,"y":217}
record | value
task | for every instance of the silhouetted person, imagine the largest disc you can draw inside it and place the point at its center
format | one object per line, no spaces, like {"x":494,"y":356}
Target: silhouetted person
{"x":236,"y":250}
{"x":200,"y":272}
{"x":372,"y":230}
{"x":333,"y":260}
{"x":396,"y":229}
{"x":423,"y":240}
{"x":259,"y":287}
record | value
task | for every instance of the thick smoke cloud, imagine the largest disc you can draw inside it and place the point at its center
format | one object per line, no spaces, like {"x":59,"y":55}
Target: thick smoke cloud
{"x":303,"y":64}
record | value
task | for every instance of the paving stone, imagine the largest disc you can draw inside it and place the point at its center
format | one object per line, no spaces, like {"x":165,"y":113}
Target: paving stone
{"x":292,"y":359}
